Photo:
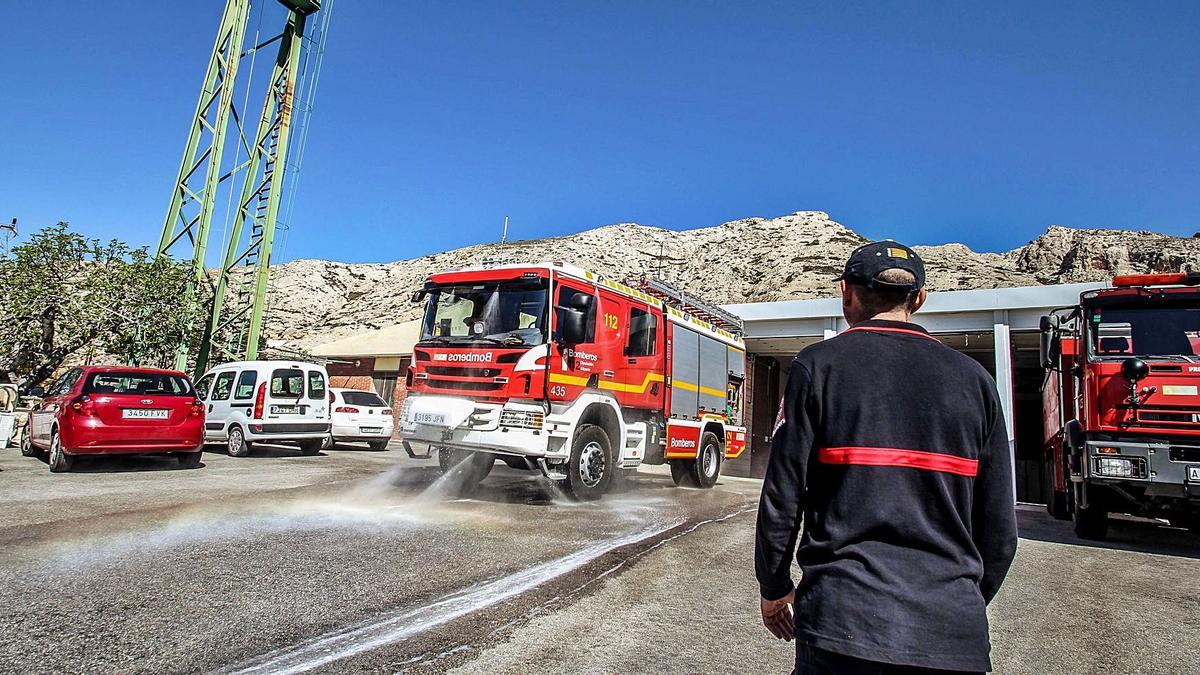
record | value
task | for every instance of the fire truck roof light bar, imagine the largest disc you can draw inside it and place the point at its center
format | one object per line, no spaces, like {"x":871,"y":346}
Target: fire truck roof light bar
{"x":1179,"y":279}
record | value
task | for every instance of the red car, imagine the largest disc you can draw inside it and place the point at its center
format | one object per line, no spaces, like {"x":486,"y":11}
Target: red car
{"x":109,"y":410}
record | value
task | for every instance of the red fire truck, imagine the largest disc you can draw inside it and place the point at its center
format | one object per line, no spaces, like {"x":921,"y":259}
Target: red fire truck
{"x":555,"y":369}
{"x":1121,"y":406}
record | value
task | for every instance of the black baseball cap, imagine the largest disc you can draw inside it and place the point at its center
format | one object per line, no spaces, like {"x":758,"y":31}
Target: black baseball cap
{"x":866,"y":262}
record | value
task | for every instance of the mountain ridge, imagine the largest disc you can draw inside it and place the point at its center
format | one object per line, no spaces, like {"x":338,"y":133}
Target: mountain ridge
{"x":790,"y":257}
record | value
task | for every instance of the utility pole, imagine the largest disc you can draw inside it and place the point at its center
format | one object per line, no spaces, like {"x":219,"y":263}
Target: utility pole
{"x":504,"y":235}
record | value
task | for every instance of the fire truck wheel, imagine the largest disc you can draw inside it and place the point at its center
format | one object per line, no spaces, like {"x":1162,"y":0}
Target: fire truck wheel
{"x":473,"y":468}
{"x":707,"y":466}
{"x":681,"y":472}
{"x":1090,"y":522}
{"x":590,"y":469}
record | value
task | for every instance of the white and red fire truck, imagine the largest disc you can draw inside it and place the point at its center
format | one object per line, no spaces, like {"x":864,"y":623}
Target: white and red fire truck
{"x":1122,"y":403}
{"x":551,"y":368}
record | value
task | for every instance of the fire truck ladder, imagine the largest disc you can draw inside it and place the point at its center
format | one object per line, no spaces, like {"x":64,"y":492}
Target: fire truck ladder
{"x":697,"y":307}
{"x":234,"y":325}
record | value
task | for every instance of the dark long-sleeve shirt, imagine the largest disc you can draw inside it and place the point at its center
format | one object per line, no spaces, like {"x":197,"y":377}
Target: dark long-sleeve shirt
{"x":891,"y":449}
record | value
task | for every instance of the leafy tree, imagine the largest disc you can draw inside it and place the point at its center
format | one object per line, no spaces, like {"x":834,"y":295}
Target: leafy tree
{"x":62,"y":293}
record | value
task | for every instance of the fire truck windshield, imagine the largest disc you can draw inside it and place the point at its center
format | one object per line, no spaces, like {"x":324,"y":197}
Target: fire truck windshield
{"x":511,"y":313}
{"x":1163,"y":330}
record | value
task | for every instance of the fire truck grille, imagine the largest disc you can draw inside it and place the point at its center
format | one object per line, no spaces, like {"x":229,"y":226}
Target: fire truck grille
{"x":464,"y":386}
{"x":1167,"y":416}
{"x":462,"y":372}
{"x":526,"y":419}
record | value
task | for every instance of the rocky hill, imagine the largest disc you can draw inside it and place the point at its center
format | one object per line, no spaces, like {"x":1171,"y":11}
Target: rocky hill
{"x":754,"y":259}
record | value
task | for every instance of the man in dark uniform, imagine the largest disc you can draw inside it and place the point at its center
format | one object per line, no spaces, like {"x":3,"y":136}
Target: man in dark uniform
{"x":891,"y":450}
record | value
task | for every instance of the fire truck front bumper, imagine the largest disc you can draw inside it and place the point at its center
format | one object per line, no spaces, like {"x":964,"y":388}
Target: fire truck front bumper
{"x":1163,"y":469}
{"x":431,"y":422}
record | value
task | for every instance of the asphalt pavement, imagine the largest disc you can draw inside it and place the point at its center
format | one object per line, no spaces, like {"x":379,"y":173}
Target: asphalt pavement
{"x":363,"y":561}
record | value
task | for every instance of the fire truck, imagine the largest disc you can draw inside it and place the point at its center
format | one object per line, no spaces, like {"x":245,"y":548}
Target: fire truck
{"x":1120,"y":401}
{"x":557,"y":370}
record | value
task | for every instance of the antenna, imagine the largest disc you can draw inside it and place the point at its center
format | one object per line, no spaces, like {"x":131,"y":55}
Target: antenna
{"x":10,"y":231}
{"x":504,"y":235}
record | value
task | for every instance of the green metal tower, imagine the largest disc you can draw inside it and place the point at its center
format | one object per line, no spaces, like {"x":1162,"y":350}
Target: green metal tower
{"x":234,"y":325}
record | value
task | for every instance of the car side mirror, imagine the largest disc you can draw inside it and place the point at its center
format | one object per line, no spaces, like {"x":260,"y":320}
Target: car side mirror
{"x":418,"y":295}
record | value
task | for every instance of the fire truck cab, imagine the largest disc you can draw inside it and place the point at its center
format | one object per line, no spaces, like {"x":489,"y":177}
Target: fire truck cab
{"x":554,"y":369}
{"x":1121,"y":403}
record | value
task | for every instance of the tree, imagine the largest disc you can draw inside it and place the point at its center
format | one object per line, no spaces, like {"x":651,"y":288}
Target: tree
{"x":62,"y":293}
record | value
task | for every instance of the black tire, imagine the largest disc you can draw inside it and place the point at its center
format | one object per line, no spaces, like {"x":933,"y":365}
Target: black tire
{"x":27,"y":447}
{"x":189,"y":460}
{"x":707,"y":466}
{"x":467,"y":469}
{"x":591,"y":466}
{"x":311,"y":446}
{"x":1091,"y":522}
{"x":378,"y":446}
{"x":236,"y":444}
{"x":328,"y":442}
{"x":681,"y":472}
{"x":60,"y":462}
{"x":1058,"y":504}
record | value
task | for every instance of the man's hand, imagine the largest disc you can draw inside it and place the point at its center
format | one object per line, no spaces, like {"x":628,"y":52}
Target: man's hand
{"x":777,"y":616}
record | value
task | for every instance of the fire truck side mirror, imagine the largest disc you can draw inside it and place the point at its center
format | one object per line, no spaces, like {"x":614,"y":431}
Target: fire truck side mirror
{"x":1051,"y":345}
{"x":418,"y":295}
{"x":572,"y":326}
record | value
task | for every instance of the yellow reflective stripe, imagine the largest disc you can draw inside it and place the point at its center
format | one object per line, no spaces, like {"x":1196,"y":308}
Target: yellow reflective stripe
{"x":568,"y":379}
{"x":574,"y":381}
{"x":688,"y":386}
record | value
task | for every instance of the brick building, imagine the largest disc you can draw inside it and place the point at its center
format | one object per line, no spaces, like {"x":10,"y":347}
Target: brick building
{"x":375,"y":360}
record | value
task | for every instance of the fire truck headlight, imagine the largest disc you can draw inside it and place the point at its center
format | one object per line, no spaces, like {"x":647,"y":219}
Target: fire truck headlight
{"x":1115,"y":467}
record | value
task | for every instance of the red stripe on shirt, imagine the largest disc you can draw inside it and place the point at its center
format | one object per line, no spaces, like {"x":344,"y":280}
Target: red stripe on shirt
{"x":892,"y":330}
{"x":912,"y":459}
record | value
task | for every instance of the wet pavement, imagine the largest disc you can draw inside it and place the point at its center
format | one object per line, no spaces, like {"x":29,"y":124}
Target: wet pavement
{"x":281,"y":562}
{"x":365,"y":561}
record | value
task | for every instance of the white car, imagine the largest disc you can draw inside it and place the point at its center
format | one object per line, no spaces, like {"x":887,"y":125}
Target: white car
{"x":266,"y":401}
{"x":360,"y":416}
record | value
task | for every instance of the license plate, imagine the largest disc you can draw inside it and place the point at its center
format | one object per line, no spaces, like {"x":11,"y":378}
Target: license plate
{"x":1193,"y":474}
{"x":370,"y":430}
{"x":284,"y":409}
{"x":429,"y":418}
{"x":144,"y":414}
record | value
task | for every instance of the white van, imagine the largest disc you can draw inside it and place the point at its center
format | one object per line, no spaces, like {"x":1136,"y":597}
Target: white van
{"x":266,"y":401}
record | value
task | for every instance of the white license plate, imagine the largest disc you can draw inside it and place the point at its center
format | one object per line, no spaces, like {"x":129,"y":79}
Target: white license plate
{"x":370,"y":430}
{"x":284,"y":409}
{"x":144,"y":414}
{"x":429,"y":418}
{"x":1193,"y":474}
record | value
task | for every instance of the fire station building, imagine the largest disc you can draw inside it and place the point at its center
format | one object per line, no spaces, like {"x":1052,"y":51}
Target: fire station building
{"x":996,"y":327}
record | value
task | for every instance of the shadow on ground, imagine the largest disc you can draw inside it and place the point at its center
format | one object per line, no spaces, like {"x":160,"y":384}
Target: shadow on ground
{"x":1125,"y":533}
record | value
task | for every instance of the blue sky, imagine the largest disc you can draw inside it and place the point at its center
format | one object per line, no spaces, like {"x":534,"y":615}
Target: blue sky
{"x":924,"y":122}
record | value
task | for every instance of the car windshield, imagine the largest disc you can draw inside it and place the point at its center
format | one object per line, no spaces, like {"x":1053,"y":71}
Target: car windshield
{"x":363,"y":398}
{"x":142,"y":384}
{"x":1169,"y":330}
{"x":510,"y":313}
